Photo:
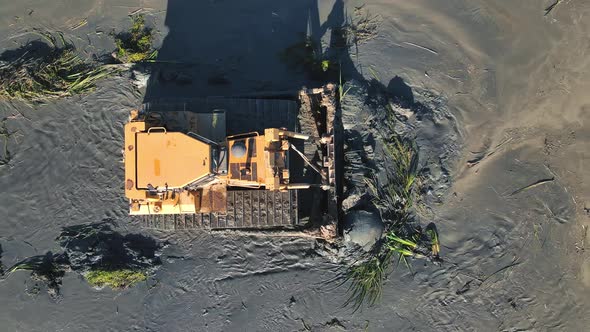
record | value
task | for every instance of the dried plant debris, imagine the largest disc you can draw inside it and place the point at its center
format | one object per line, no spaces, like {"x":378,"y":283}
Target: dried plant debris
{"x":135,"y":45}
{"x":47,"y":69}
{"x":103,"y":256}
{"x":362,"y":26}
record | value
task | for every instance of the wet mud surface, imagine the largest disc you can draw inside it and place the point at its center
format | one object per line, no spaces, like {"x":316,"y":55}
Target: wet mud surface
{"x":494,"y":94}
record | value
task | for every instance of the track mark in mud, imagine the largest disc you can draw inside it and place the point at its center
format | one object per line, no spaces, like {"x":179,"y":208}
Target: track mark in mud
{"x":427,"y":49}
{"x":515,"y":262}
{"x":5,"y":135}
{"x":262,"y":257}
{"x":552,"y":7}
{"x":485,"y":153}
{"x":260,"y":273}
{"x":580,"y":246}
{"x":532,"y":185}
{"x":333,"y":323}
{"x":79,"y":24}
{"x":465,"y":288}
{"x":481,"y":281}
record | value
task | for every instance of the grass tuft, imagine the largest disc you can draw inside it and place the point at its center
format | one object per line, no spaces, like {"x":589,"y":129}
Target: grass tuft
{"x":115,"y":279}
{"x":395,"y":196}
{"x":367,"y":280}
{"x":135,"y":45}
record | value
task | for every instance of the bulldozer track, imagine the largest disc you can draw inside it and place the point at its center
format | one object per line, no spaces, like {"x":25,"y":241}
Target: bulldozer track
{"x":246,"y":209}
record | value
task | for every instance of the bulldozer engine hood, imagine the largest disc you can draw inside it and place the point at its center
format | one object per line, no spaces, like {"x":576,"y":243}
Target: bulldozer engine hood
{"x":166,"y":159}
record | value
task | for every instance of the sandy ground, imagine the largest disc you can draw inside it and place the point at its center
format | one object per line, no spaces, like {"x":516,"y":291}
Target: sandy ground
{"x":505,"y":82}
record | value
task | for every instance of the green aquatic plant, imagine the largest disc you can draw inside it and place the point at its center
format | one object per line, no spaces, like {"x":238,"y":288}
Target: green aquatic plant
{"x":54,"y":71}
{"x":395,"y":196}
{"x":135,"y":45}
{"x":114,"y":278}
{"x":366,"y":277}
{"x":366,"y":280}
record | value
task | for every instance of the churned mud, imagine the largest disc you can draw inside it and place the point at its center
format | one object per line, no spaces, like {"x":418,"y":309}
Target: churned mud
{"x":492,"y":93}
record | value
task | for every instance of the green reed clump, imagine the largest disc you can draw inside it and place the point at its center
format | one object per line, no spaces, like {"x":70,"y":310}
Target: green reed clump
{"x":367,"y":280}
{"x":395,"y":196}
{"x":135,"y":45}
{"x":366,"y":277}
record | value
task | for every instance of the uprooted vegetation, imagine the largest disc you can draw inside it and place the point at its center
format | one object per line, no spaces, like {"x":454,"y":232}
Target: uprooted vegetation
{"x":101,"y":255}
{"x":135,"y":45}
{"x":52,"y":68}
{"x":393,"y":194}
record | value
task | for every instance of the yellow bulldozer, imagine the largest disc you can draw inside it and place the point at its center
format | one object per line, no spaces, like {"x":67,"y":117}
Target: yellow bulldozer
{"x":231,"y":162}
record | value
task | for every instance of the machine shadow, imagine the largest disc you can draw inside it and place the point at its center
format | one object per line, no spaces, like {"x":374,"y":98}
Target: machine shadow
{"x":218,"y":49}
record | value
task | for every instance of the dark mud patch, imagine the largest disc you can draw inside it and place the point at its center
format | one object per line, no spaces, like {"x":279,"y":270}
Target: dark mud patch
{"x":47,"y":269}
{"x":5,"y":134}
{"x":372,"y":113}
{"x":308,"y":57}
{"x":95,"y":248}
